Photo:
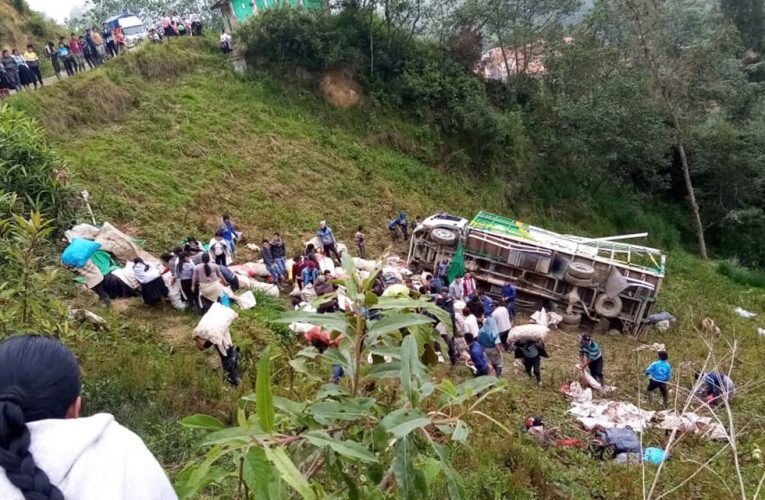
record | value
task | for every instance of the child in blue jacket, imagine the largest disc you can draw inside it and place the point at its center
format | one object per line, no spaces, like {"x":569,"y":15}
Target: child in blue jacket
{"x":660,"y":372}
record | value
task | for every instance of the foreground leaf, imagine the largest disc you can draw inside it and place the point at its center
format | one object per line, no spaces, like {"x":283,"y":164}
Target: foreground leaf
{"x":290,"y":473}
{"x":403,"y":421}
{"x":264,"y":398}
{"x":202,"y":422}
{"x":349,"y":449}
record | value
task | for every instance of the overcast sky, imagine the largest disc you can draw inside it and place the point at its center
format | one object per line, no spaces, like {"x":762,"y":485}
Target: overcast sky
{"x":57,"y":9}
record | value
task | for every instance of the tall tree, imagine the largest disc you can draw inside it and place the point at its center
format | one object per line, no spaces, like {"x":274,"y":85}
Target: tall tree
{"x":685,"y":48}
{"x":749,"y":18}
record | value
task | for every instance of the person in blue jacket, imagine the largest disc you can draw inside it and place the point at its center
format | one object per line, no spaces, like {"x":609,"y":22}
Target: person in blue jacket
{"x":477,"y":355}
{"x":660,"y":372}
{"x":508,"y":295}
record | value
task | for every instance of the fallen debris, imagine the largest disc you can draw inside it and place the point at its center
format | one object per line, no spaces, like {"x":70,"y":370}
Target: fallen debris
{"x":86,"y":316}
{"x":744,"y":313}
{"x":617,"y":414}
{"x":656,"y":347}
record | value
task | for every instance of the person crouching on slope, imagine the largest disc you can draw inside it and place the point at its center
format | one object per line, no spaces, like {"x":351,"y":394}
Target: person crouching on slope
{"x":48,"y":451}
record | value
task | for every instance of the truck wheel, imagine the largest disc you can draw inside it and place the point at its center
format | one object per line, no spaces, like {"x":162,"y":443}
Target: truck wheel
{"x":608,"y":307}
{"x":572,"y":319}
{"x":580,"y":270}
{"x":573,"y":280}
{"x":444,"y":236}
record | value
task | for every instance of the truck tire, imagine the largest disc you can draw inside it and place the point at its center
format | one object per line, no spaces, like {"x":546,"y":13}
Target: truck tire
{"x":580,"y":270}
{"x":444,"y":236}
{"x":572,"y":319}
{"x":608,"y":307}
{"x":573,"y":280}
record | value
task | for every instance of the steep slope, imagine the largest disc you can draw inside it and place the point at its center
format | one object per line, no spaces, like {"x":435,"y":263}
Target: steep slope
{"x":19,"y":26}
{"x":168,"y":138}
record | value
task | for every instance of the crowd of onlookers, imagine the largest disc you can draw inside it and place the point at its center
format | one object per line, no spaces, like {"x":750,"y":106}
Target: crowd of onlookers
{"x":23,"y":71}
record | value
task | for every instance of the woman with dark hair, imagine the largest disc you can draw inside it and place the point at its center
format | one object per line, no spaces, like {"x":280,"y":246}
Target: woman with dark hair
{"x":185,"y":273}
{"x":153,"y":288}
{"x":209,"y":283}
{"x":47,"y":451}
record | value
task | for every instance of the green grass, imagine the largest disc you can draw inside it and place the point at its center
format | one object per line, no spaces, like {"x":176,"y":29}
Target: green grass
{"x":742,"y":275}
{"x":171,"y":151}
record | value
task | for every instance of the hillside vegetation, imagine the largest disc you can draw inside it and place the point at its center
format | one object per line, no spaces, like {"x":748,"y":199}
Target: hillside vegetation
{"x":19,"y":25}
{"x":169,"y":137}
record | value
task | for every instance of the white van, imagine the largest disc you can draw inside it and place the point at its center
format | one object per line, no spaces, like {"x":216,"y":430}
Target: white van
{"x":135,"y":31}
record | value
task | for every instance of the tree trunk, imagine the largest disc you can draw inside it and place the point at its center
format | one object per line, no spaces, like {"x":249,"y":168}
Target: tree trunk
{"x":691,"y":195}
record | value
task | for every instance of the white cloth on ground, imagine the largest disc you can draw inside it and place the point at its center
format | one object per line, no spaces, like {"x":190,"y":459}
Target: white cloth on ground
{"x":93,"y":458}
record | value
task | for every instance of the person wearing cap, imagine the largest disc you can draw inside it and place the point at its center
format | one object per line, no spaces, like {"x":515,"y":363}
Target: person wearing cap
{"x":590,"y":356}
{"x":327,"y":240}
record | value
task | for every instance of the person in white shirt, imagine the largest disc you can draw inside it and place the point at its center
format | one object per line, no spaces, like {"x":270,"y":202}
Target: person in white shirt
{"x":471,"y":322}
{"x":153,"y":287}
{"x":226,"y":42}
{"x":47,"y":450}
{"x":502,"y":317}
{"x":220,"y":252}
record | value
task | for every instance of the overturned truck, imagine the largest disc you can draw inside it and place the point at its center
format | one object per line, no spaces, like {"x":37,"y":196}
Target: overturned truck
{"x":599,"y":281}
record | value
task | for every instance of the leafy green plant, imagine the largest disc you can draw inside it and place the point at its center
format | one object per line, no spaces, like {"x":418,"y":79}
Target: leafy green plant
{"x":31,"y":170}
{"x":388,"y":428}
{"x":26,"y":292}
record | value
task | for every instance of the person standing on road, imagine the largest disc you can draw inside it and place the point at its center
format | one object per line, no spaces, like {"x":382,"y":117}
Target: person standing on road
{"x":98,"y":43}
{"x":488,"y":337}
{"x":78,"y":53}
{"x":327,"y":240}
{"x":52,"y":54}
{"x":88,"y":53}
{"x":65,"y":56}
{"x":25,"y":74}
{"x":33,"y":61}
{"x":108,"y":37}
{"x":196,"y":24}
{"x":590,"y":356}
{"x":11,"y":69}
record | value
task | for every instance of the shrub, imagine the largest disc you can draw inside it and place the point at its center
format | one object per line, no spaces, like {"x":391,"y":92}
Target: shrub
{"x":30,"y":170}
{"x":417,"y":77}
{"x":742,"y":275}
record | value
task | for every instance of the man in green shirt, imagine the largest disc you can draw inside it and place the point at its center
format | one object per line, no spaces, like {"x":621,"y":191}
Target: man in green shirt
{"x":591,"y":356}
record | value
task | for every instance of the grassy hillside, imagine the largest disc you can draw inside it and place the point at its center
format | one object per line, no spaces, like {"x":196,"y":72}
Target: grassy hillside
{"x":168,"y":138}
{"x":19,"y":26}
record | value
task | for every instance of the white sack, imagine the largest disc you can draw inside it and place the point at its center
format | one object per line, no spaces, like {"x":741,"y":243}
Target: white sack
{"x":82,"y":231}
{"x":214,"y":326}
{"x":528,"y":332}
{"x":266,"y":288}
{"x":246,"y":300}
{"x":174,"y":291}
{"x":121,"y":245}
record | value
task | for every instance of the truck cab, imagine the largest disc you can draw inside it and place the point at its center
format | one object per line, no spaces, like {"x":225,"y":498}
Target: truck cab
{"x":132,"y":26}
{"x":591,"y":280}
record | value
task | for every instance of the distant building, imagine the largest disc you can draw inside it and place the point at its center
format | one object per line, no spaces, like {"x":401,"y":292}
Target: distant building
{"x":493,"y":65}
{"x":238,"y":11}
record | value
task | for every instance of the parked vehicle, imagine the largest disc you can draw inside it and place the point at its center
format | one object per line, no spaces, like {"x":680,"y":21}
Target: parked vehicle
{"x":133,"y":28}
{"x":599,"y":280}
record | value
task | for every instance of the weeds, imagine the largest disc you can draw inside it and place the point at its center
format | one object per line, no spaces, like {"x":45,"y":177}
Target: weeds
{"x":742,"y":275}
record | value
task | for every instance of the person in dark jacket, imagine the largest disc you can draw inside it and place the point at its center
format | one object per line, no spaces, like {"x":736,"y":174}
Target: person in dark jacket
{"x":531,"y":353}
{"x":268,"y":260}
{"x":477,"y":356}
{"x":508,"y":295}
{"x":279,"y":253}
{"x":476,"y":307}
{"x":11,"y":70}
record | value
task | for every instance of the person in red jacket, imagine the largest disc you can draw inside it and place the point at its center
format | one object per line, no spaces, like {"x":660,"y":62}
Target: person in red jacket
{"x":78,"y":53}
